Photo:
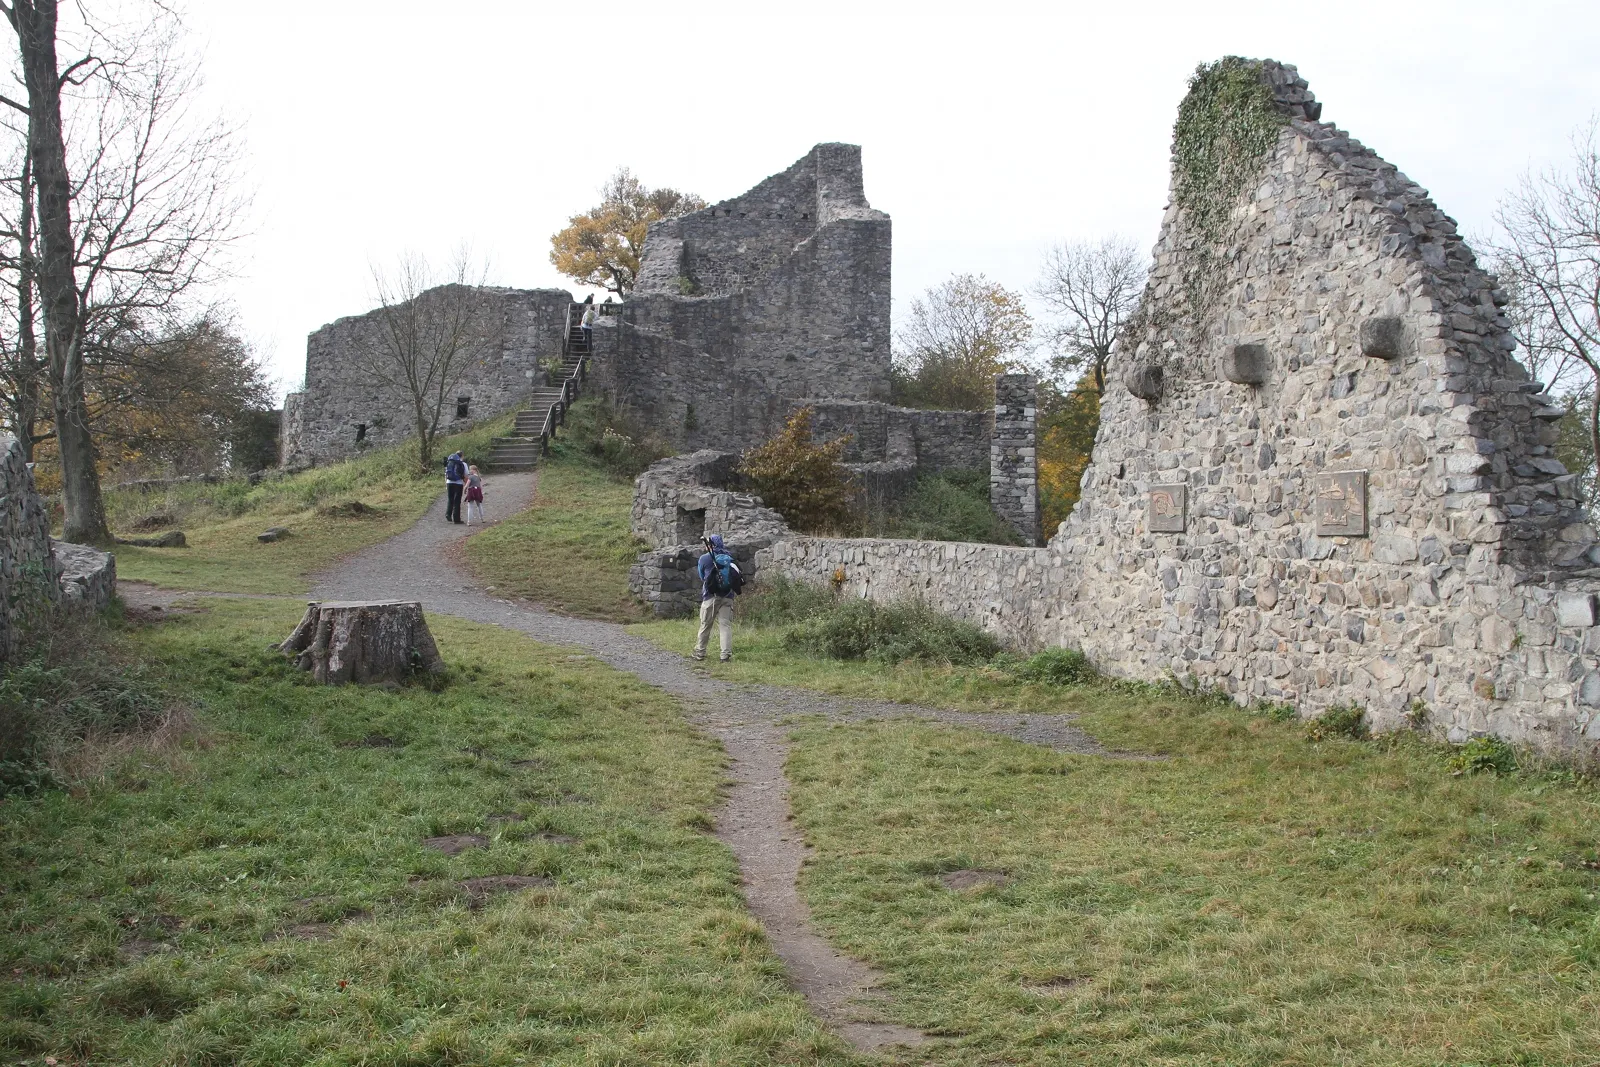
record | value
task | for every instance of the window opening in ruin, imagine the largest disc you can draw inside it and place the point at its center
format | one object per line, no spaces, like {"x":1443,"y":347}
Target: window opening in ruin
{"x":691,"y":525}
{"x":361,"y":432}
{"x":461,"y":406}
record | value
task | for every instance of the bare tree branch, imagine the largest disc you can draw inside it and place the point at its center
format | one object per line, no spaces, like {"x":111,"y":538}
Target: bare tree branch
{"x":1089,"y":289}
{"x":1549,"y":263}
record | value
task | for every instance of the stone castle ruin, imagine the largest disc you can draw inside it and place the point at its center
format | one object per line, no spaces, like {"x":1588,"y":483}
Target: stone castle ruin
{"x":342,"y":410}
{"x":1321,"y":477}
{"x":743,"y":313}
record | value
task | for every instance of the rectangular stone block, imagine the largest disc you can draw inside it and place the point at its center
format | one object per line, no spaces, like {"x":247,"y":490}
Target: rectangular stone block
{"x":1341,"y":504}
{"x":1168,"y":508}
{"x":1575,"y":609}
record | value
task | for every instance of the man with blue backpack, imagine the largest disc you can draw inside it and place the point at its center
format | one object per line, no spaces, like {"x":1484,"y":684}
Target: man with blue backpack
{"x":455,"y":479}
{"x":720,"y":582}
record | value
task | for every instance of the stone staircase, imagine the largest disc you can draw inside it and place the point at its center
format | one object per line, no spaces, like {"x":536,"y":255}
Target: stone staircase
{"x":523,"y":448}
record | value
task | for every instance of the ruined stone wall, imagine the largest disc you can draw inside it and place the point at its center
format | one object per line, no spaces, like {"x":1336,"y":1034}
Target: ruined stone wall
{"x":1014,"y":455}
{"x":679,"y":501}
{"x":29,"y":573}
{"x":883,"y":433}
{"x":320,"y":424}
{"x":742,"y":308}
{"x":39,"y":575}
{"x":1334,"y":483}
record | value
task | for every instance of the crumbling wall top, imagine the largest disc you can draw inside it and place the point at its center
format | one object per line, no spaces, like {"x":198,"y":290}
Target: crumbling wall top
{"x":738,"y":242}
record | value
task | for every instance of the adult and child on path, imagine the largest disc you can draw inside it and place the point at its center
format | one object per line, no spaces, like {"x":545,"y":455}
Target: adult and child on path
{"x":462,"y":482}
{"x":720,"y":577}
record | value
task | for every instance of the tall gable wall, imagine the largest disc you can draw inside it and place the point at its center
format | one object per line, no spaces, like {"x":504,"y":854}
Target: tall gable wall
{"x":1197,"y":552}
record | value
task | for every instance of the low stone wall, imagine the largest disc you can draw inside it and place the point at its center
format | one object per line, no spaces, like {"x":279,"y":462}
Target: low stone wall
{"x":1482,"y":656}
{"x":996,"y":587}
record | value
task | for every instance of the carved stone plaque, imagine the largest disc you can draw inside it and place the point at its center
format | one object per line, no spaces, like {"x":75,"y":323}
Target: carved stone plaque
{"x":1169,"y":505}
{"x":1341,"y":504}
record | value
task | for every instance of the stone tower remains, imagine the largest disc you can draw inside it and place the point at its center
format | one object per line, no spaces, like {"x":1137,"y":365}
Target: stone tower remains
{"x":753,"y":306}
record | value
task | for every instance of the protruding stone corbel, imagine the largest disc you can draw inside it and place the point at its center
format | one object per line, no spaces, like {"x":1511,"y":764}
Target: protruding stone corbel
{"x":1245,"y":364}
{"x":1144,"y":381}
{"x":1383,"y":337}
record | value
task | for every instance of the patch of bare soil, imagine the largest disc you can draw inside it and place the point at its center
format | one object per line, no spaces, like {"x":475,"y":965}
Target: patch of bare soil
{"x":479,"y":890}
{"x":350,"y":509}
{"x":973,"y":879}
{"x":304,"y":932}
{"x":158,"y":520}
{"x":451,"y":844}
{"x":507,"y":816}
{"x":1053,"y":987}
{"x":139,"y":947}
{"x":372,"y":741}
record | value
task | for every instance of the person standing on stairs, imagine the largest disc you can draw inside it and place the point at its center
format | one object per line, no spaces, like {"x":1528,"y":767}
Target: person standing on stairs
{"x":720,"y":582}
{"x":589,"y":315}
{"x":455,"y":479}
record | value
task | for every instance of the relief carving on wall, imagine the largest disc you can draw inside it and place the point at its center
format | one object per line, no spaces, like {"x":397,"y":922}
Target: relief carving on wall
{"x":1168,"y":507}
{"x":1341,"y":505}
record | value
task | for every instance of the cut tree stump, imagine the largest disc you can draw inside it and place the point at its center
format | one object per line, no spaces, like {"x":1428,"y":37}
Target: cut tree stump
{"x":363,"y":641}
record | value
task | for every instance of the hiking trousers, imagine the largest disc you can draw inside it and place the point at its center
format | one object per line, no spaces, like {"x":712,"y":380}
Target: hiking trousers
{"x":718,"y":609}
{"x":452,"y":501}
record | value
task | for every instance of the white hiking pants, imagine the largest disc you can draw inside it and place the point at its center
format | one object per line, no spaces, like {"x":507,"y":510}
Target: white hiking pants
{"x":718,"y":609}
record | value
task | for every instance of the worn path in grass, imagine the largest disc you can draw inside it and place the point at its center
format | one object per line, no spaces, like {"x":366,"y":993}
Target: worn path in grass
{"x":422,"y":564}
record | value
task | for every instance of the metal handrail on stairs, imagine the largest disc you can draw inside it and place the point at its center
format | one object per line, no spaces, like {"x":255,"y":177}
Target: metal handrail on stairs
{"x":571,"y":388}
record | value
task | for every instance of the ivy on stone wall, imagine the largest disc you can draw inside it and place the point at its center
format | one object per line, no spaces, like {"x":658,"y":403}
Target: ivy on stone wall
{"x":1228,"y":125}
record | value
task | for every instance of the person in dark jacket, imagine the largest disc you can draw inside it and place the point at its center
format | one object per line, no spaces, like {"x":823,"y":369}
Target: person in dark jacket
{"x":455,"y":479}
{"x":720,"y":582}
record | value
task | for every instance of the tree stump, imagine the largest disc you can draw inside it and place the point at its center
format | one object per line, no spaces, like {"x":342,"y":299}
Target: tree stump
{"x":363,"y":641}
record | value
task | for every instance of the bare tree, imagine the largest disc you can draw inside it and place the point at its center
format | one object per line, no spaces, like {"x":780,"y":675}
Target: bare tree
{"x":432,"y":335}
{"x":34,"y":22}
{"x":23,"y":369}
{"x":1089,"y":289}
{"x":113,"y":252}
{"x":1550,"y":262}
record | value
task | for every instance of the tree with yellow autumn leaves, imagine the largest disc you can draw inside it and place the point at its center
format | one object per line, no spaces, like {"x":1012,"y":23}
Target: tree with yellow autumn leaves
{"x":602,"y":247}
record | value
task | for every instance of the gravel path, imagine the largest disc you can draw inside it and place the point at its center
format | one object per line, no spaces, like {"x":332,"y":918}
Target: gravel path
{"x":749,"y":721}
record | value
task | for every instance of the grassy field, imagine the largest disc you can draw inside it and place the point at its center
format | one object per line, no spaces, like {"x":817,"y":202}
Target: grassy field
{"x":1254,"y":899}
{"x":571,"y":550}
{"x":221,"y":521}
{"x":255,"y":890}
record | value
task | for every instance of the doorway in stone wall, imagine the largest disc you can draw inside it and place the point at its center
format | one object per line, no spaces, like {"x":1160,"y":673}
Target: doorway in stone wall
{"x":691,"y":526}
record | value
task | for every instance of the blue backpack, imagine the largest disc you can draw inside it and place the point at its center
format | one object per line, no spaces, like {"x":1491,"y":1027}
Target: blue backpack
{"x":725,"y":578}
{"x":455,"y":470}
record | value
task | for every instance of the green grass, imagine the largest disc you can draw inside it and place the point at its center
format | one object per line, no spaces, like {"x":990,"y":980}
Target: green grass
{"x":272,"y":813}
{"x":1255,"y":899}
{"x":762,"y":655}
{"x":1270,"y":892}
{"x":571,"y":550}
{"x":221,"y":521}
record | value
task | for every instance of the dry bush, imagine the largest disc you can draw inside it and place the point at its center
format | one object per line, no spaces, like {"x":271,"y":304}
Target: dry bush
{"x":802,"y":479}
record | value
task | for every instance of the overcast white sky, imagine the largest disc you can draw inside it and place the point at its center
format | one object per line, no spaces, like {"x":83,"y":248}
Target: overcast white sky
{"x":989,"y":131}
